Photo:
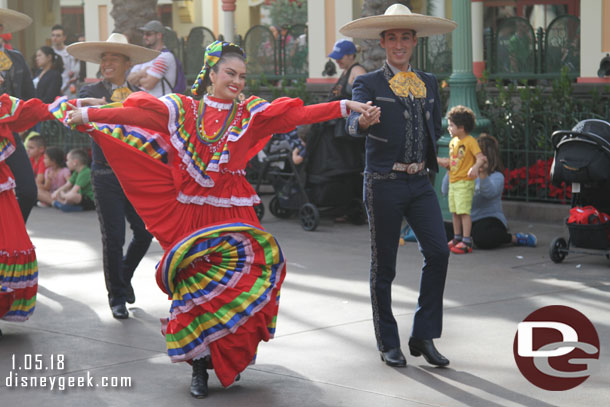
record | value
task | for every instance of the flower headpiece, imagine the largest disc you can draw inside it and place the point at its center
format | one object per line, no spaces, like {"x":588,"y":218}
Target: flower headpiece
{"x":213,"y":52}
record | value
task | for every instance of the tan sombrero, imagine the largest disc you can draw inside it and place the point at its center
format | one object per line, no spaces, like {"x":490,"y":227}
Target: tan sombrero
{"x":397,"y":16}
{"x":13,"y":21}
{"x":91,"y":51}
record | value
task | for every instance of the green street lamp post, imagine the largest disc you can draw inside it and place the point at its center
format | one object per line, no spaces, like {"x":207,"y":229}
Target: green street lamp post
{"x":462,"y":86}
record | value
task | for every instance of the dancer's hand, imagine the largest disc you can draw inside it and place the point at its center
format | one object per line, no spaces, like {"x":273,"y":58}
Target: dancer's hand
{"x":92,"y":101}
{"x":75,"y":117}
{"x":369,"y":116}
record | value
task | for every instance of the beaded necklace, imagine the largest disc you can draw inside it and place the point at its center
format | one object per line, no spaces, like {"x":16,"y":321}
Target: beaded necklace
{"x":202,"y":135}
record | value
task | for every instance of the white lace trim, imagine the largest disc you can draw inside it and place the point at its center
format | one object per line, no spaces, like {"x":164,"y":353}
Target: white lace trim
{"x":217,"y":105}
{"x":217,"y":201}
{"x":344,"y":111}
{"x":7,"y":152}
{"x":9,"y":184}
{"x":191,"y":169}
{"x":234,"y":138}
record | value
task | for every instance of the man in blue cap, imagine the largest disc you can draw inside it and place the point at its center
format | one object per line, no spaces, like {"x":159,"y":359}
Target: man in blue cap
{"x":344,"y":53}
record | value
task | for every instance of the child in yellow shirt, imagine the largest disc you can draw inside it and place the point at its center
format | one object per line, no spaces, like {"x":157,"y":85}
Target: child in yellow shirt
{"x":465,"y":160}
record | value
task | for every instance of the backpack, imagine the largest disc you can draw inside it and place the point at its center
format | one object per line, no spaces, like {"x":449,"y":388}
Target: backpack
{"x":180,"y":81}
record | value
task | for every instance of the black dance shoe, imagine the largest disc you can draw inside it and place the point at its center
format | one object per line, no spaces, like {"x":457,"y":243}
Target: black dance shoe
{"x":426,"y":347}
{"x":394,"y":358}
{"x":120,"y":311}
{"x":199,"y":381}
{"x":131,"y":296}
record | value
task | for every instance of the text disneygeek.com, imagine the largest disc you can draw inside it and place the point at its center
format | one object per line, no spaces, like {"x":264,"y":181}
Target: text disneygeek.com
{"x":24,"y":370}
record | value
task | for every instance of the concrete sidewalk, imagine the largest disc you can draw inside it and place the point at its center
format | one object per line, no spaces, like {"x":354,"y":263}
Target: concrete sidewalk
{"x":324,"y":353}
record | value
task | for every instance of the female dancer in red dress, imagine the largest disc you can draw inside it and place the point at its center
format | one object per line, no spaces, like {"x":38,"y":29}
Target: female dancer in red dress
{"x":18,"y":267}
{"x":181,"y":163}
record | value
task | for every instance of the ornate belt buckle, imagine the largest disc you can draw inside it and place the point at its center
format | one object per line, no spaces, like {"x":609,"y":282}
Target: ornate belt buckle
{"x":413,"y":168}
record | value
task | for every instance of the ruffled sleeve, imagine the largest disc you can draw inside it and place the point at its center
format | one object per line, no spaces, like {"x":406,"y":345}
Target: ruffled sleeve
{"x":139,"y":109}
{"x":282,"y":116}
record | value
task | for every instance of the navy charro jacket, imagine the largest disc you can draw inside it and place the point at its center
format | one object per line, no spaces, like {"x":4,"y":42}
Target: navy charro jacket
{"x":385,"y":140}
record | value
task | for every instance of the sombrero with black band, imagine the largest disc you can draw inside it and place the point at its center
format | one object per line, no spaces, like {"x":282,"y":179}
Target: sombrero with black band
{"x":397,"y":16}
{"x":12,"y":21}
{"x":91,"y":51}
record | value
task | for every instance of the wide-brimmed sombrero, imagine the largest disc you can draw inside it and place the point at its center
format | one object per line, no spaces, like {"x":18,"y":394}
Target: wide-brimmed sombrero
{"x":91,"y":51}
{"x":13,"y":21}
{"x":397,"y":16}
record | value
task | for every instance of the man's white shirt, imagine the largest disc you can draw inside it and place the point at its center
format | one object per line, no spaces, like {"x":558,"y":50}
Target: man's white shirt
{"x":163,"y":66}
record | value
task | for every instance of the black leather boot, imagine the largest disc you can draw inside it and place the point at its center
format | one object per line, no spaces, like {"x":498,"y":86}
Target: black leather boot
{"x":199,"y":380}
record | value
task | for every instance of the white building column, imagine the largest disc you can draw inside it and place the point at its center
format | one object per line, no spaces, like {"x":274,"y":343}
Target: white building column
{"x":99,"y":24}
{"x":228,"y":9}
{"x":438,"y":8}
{"x":316,"y":17}
{"x":478,"y":61}
{"x":591,"y":47}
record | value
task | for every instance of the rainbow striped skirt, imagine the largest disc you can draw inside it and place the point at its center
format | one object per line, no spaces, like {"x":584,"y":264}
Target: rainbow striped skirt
{"x":224,"y":283}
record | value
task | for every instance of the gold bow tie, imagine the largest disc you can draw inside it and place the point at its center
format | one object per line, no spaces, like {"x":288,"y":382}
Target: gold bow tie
{"x":404,"y":83}
{"x":120,"y":94}
{"x":5,"y":62}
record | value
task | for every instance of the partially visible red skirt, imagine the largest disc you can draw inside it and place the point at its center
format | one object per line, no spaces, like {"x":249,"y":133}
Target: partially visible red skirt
{"x":18,"y":267}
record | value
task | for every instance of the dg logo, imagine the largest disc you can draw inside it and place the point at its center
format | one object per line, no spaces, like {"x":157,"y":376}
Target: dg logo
{"x":556,"y":348}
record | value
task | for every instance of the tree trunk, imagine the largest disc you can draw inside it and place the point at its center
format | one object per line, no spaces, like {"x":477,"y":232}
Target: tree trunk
{"x":372,"y":54}
{"x":130,"y":14}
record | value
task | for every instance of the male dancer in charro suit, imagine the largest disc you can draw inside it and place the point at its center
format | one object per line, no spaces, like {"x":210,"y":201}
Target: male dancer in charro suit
{"x":115,"y":56}
{"x":400,"y":150}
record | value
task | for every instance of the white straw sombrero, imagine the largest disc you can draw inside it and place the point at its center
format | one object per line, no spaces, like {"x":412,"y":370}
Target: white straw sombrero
{"x":397,"y":16}
{"x":91,"y":51}
{"x":13,"y":20}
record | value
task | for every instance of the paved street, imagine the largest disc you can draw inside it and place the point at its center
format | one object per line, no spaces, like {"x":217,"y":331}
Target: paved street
{"x":324,"y":352}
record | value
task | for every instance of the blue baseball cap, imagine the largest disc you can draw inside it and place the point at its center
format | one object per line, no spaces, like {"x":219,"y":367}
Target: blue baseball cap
{"x":342,"y":48}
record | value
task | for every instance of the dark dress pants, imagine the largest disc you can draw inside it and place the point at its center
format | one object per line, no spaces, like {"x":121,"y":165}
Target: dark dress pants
{"x":113,"y":208}
{"x":25,"y":183}
{"x":389,"y":197}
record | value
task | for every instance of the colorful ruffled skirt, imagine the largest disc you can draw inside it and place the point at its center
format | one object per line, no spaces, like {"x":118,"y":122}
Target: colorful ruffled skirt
{"x":221,"y":271}
{"x":18,"y":267}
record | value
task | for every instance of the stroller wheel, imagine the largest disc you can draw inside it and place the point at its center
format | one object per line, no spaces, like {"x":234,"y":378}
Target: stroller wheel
{"x":260,"y":211}
{"x":558,"y":250}
{"x":276,"y":209}
{"x":310,"y":217}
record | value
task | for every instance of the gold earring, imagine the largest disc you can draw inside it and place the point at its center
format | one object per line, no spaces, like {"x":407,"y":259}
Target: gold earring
{"x":241,"y":97}
{"x":210,"y":90}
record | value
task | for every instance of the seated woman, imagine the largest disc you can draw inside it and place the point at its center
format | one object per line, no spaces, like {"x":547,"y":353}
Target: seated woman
{"x":489,"y":227}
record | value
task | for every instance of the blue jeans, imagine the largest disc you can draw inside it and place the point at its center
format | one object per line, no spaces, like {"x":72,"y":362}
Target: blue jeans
{"x":389,"y":197}
{"x":113,"y":208}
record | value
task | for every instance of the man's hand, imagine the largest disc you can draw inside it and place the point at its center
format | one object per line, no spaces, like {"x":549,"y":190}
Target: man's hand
{"x":75,"y":117}
{"x":369,"y":116}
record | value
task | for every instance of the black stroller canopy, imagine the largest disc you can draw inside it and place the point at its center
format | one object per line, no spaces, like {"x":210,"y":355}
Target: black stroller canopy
{"x":592,"y":130}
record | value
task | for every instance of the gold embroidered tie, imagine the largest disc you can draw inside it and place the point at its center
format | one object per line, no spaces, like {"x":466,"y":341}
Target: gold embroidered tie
{"x":120,"y":94}
{"x":404,"y":83}
{"x":5,"y":62}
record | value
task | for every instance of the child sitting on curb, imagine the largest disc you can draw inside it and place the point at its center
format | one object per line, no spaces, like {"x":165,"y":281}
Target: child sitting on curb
{"x":76,"y":194}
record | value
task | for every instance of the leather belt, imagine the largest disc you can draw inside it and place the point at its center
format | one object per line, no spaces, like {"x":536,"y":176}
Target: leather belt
{"x":409,"y":168}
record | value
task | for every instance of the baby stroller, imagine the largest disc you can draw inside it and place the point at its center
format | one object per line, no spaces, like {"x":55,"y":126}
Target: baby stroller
{"x":582,"y":158}
{"x":329,"y":181}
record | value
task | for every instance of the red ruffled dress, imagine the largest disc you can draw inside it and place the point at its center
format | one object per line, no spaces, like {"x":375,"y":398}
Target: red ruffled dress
{"x":220,"y":269}
{"x":18,"y":267}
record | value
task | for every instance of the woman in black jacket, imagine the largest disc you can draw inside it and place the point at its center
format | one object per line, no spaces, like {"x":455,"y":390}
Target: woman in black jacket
{"x":47,"y":80}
